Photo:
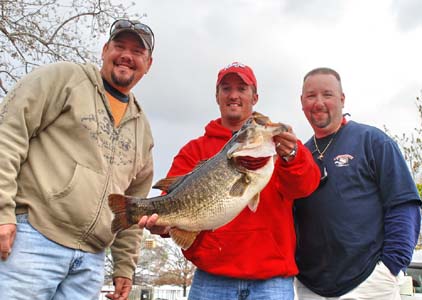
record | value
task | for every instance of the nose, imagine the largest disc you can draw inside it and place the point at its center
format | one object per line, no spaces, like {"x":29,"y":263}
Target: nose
{"x":233,"y":94}
{"x":319,"y":98}
{"x":319,"y":101}
{"x":126,"y":55}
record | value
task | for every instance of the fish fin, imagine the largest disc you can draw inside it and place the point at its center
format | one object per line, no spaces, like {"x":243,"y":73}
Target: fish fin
{"x":239,"y":187}
{"x":199,"y":164}
{"x":184,"y":239}
{"x":169,"y":183}
{"x":118,"y":205}
{"x":166,"y":184}
{"x":253,"y":204}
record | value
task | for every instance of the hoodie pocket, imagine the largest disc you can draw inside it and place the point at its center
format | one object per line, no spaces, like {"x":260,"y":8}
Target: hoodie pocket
{"x":78,"y":202}
{"x":244,"y":254}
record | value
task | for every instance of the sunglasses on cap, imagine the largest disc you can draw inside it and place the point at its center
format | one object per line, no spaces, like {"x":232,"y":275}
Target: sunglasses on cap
{"x":143,"y":31}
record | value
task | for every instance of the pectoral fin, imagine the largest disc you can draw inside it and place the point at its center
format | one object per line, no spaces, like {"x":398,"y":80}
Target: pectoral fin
{"x":183,"y":239}
{"x":239,"y":187}
{"x":253,"y":204}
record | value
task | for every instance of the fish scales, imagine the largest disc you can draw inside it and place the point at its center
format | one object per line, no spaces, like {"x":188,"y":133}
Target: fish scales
{"x":213,"y":193}
{"x":203,"y":207}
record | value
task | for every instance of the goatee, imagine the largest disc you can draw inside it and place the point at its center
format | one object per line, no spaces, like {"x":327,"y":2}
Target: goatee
{"x":122,"y":81}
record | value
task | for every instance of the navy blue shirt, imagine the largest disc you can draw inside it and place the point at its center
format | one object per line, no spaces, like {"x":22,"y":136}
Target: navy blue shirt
{"x":366,"y":210}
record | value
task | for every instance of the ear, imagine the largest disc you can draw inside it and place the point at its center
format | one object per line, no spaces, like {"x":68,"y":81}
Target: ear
{"x":301,"y":101}
{"x":149,"y":64}
{"x":342,"y":99}
{"x":105,"y":47}
{"x":255,"y":99}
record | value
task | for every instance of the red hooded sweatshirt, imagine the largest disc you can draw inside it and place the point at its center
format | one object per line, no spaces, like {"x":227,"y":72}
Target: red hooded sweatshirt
{"x":255,"y":245}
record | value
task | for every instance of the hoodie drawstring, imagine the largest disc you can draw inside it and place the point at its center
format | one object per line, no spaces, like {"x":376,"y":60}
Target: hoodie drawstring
{"x":135,"y":161}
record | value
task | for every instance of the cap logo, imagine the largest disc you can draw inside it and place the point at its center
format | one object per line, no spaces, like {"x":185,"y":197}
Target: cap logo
{"x":235,"y":65}
{"x":241,"y":70}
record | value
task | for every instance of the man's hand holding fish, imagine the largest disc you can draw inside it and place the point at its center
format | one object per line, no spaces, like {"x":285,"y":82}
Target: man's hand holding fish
{"x":229,"y":201}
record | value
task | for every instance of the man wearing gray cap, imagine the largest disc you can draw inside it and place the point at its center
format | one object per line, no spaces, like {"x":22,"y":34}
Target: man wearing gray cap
{"x":70,"y":135}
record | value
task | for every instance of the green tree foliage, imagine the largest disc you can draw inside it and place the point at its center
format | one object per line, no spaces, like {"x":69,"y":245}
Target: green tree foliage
{"x":36,"y":32}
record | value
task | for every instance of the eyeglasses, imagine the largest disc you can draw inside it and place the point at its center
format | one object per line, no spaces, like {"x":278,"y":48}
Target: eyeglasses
{"x":144,"y":31}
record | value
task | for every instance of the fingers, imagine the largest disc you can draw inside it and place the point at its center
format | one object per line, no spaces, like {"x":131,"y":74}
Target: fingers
{"x":7,"y":237}
{"x":122,"y":287}
{"x":151,"y":221}
{"x":285,"y":143}
{"x":5,"y":247}
{"x":148,"y":222}
{"x":5,"y":253}
{"x":143,"y":222}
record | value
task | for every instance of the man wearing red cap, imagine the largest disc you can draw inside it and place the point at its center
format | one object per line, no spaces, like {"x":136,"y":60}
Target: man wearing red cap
{"x":252,"y":257}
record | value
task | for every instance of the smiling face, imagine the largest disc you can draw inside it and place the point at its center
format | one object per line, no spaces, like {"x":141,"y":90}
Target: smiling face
{"x":322,"y":102}
{"x":236,"y":100}
{"x":125,"y":61}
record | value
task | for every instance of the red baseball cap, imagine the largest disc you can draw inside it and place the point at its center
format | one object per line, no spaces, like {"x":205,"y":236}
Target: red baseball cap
{"x":242,"y":70}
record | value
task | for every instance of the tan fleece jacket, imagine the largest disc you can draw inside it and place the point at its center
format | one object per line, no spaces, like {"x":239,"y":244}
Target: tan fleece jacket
{"x":61,"y":156}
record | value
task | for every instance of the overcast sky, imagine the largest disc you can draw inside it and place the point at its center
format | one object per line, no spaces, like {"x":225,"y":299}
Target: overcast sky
{"x":375,"y":45}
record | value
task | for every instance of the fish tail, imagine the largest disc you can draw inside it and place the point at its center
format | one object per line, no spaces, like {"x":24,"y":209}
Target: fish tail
{"x":118,"y":204}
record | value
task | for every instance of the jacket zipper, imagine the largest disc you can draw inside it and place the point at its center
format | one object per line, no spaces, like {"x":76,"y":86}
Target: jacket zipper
{"x":103,"y":196}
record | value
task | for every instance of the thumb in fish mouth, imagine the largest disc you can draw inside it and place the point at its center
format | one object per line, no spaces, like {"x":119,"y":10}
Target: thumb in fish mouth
{"x":251,"y":163}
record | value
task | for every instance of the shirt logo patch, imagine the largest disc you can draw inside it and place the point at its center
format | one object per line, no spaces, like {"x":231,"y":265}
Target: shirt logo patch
{"x":343,"y":160}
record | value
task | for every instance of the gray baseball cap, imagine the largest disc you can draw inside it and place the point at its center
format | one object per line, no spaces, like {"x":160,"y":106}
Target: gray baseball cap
{"x":143,"y":31}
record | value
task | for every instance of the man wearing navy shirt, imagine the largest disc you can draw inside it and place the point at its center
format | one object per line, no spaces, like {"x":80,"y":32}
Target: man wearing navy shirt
{"x":357,"y":231}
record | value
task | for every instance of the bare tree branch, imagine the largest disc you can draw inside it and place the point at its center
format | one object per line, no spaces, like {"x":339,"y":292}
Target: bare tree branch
{"x":411,"y":146}
{"x":36,"y":32}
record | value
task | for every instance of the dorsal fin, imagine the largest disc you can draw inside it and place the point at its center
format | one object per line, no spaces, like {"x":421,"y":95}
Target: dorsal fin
{"x":169,"y":183}
{"x":199,"y":164}
{"x":166,"y":184}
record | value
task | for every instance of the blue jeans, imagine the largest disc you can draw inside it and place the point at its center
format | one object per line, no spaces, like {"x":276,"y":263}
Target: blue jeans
{"x":210,"y":287}
{"x":39,"y":269}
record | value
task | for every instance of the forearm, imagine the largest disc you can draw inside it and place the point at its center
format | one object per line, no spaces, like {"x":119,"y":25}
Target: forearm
{"x":299,"y":177}
{"x":125,"y":251}
{"x":401,"y":231}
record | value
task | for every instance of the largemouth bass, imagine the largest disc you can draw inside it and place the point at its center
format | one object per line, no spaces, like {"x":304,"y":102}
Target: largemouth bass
{"x":214,"y":193}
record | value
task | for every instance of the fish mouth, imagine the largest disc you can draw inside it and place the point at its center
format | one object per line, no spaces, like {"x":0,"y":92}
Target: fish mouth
{"x":253,"y":150}
{"x":255,"y":138}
